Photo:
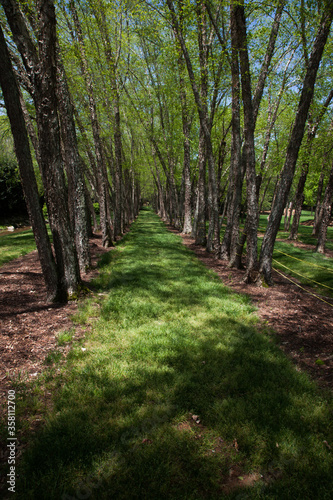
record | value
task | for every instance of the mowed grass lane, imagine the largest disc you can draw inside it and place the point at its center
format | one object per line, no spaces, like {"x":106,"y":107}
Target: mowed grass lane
{"x":16,"y":245}
{"x":174,"y":391}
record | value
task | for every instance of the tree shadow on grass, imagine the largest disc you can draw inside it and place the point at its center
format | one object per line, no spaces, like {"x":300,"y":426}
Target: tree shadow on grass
{"x":121,"y":438}
{"x":123,"y":424}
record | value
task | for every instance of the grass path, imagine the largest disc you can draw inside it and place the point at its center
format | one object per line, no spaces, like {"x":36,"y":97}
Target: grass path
{"x":174,"y":394}
{"x":15,"y":245}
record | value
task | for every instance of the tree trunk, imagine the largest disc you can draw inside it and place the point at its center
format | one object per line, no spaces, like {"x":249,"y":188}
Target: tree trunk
{"x":187,"y":225}
{"x":11,"y":94}
{"x":100,"y":158}
{"x":76,"y":183}
{"x":267,"y":59}
{"x":312,"y":130}
{"x":111,"y":61}
{"x":41,"y":69}
{"x":294,"y":145}
{"x":249,"y":121}
{"x":45,"y":83}
{"x":90,"y":205}
{"x":326,"y":215}
{"x":231,"y":235}
{"x":213,"y":240}
{"x":264,"y":194}
{"x":161,"y":206}
{"x":213,"y":237}
{"x":186,"y":122}
{"x":199,"y":228}
{"x":248,"y":164}
{"x":299,"y":200}
{"x":174,"y":196}
{"x":318,"y":203}
{"x":288,"y":215}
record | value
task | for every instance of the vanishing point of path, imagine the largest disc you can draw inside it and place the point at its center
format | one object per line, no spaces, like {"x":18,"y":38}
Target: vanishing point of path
{"x":174,"y":394}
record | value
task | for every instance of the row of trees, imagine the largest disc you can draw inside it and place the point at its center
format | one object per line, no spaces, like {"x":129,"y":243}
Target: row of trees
{"x":236,"y":51}
{"x":40,"y":74}
{"x":210,"y":109}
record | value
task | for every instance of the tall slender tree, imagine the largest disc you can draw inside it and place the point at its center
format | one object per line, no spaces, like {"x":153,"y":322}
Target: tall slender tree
{"x":75,"y":177}
{"x":252,"y":220}
{"x":102,"y":180}
{"x":326,"y":210}
{"x":213,"y":240}
{"x":11,"y":94}
{"x":40,"y":64}
{"x":297,"y":133}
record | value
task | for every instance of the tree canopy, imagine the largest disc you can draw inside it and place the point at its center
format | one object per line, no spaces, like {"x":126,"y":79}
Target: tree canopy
{"x":206,"y":109}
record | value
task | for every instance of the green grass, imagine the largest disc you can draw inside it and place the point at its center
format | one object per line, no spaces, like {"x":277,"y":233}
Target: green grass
{"x":315,"y":270}
{"x":15,"y":245}
{"x":65,"y":336}
{"x":308,"y":267}
{"x":304,"y":232}
{"x":169,"y":341}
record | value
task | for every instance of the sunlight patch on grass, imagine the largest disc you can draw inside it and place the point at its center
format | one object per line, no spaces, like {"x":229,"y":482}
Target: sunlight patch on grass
{"x":15,"y":245}
{"x":169,"y":341}
{"x":308,"y":267}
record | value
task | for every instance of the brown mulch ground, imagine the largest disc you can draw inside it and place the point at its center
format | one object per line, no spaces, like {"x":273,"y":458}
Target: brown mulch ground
{"x":303,"y":323}
{"x":29,"y":325}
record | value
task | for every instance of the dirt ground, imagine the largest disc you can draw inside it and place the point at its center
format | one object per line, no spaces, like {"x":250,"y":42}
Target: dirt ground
{"x":29,"y":325}
{"x":303,"y":322}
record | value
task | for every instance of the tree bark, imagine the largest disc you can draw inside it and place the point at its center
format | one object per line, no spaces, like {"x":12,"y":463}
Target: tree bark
{"x":267,"y":59}
{"x":186,"y":122}
{"x":50,"y":148}
{"x":100,"y":158}
{"x":213,"y":237}
{"x":264,"y":194}
{"x":161,"y":207}
{"x":271,"y":122}
{"x":326,"y":215}
{"x":75,"y":178}
{"x":213,"y":240}
{"x":112,"y":65}
{"x":318,"y":203}
{"x":231,"y":235}
{"x":294,"y":145}
{"x":312,"y":130}
{"x":249,"y":122}
{"x":41,"y":69}
{"x":299,"y":200}
{"x":11,"y":94}
{"x":199,"y":227}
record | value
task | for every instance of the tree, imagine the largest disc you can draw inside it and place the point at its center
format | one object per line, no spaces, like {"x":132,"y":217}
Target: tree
{"x":249,"y":123}
{"x":98,"y":9}
{"x":73,"y":164}
{"x":11,"y":93}
{"x":299,"y":197}
{"x":294,"y":143}
{"x":41,"y":68}
{"x":326,"y":210}
{"x":213,"y":240}
{"x":102,"y":181}
{"x":186,"y":122}
{"x":231,"y":236}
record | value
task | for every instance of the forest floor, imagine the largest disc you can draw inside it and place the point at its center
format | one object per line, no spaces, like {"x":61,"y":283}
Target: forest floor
{"x":178,"y":384}
{"x":302,"y":320}
{"x":29,"y":325}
